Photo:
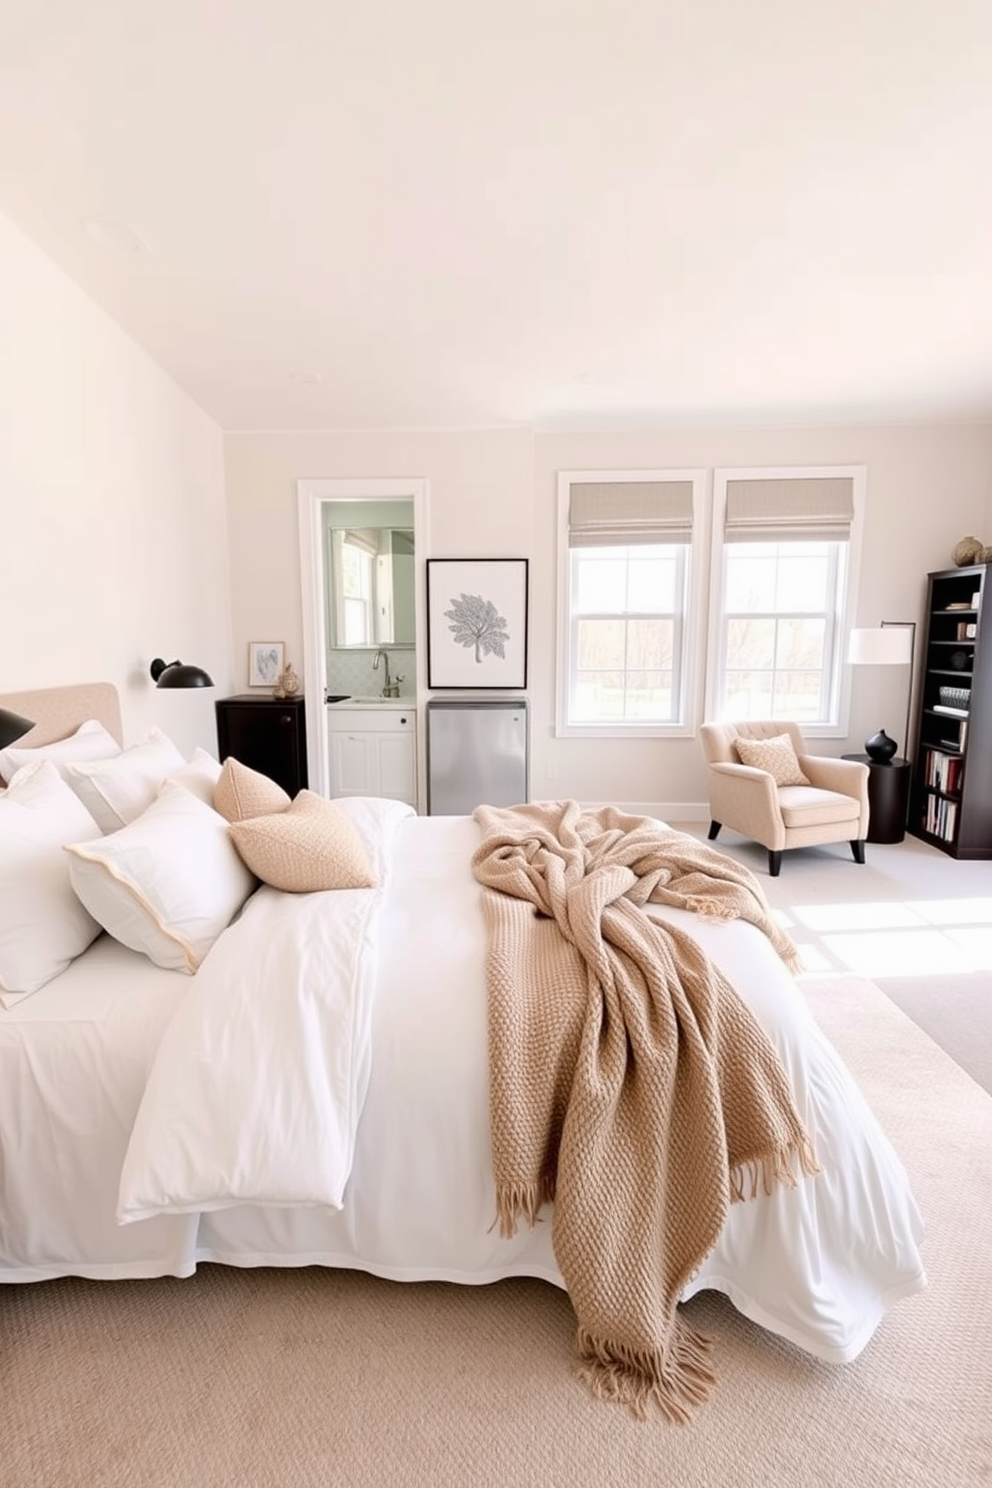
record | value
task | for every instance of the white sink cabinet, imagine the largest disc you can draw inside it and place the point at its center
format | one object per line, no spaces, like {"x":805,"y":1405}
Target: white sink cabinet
{"x":373,"y":749}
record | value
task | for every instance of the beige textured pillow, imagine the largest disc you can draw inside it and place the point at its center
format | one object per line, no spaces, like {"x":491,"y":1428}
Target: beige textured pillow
{"x":311,"y":845}
{"x":241,"y":793}
{"x":776,"y":755}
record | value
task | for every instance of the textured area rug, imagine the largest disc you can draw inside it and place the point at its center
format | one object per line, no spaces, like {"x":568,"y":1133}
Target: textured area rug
{"x":306,"y":1378}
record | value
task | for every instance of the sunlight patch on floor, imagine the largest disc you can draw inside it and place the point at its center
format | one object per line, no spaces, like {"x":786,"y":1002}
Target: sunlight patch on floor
{"x":815,"y":962}
{"x":953,"y":911}
{"x":893,"y":938}
{"x":875,"y":915}
{"x":976,"y":944}
{"x":925,"y":952}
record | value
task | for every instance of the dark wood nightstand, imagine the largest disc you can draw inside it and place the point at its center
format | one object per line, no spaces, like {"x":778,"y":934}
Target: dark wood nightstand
{"x":888,"y":797}
{"x":266,"y":734}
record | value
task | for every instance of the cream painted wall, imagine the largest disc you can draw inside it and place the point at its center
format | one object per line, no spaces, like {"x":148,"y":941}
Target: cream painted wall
{"x":480,"y":502}
{"x":493,"y":493}
{"x":927,"y":486}
{"x":113,"y":541}
{"x":131,"y":527}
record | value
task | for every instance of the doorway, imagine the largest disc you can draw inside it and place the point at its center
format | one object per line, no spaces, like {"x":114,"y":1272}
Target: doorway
{"x":366,"y":499}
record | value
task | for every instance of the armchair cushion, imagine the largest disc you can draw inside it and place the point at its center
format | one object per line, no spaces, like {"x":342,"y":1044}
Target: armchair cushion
{"x":805,"y":806}
{"x":775,"y":755}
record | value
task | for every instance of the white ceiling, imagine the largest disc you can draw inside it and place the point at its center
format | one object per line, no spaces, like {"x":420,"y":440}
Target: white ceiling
{"x":440,"y":213}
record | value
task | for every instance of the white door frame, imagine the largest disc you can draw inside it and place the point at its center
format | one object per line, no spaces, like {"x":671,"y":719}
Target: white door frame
{"x":311,"y":495}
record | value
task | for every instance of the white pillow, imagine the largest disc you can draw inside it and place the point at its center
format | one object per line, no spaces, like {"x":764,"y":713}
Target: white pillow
{"x":91,"y":741}
{"x":200,"y":776}
{"x":115,"y":791}
{"x":43,"y":926}
{"x":168,"y":883}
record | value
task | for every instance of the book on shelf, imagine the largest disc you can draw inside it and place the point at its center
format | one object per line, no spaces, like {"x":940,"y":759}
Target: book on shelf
{"x":942,"y":772}
{"x":956,"y":745}
{"x":940,"y":817}
{"x":967,"y":630}
{"x":952,"y":712}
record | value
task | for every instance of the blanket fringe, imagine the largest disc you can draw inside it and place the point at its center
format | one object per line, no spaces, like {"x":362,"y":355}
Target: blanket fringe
{"x":709,"y":909}
{"x":526,"y":1199}
{"x":676,"y":1381}
{"x":765,"y":1173}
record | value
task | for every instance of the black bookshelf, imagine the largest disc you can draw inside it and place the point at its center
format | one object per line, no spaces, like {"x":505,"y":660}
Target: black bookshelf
{"x":951,"y":797}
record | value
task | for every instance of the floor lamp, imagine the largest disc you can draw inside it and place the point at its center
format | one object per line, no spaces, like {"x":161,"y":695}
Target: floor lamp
{"x":891,"y":644}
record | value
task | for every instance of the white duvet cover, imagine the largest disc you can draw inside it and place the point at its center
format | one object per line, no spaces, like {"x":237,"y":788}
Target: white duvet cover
{"x":122,"y":1085}
{"x":260,"y":1078}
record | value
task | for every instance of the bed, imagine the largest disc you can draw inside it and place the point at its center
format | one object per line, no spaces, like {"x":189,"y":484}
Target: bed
{"x":114,"y":1051}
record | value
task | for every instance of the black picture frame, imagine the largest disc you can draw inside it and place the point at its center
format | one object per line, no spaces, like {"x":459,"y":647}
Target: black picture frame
{"x":477,"y":623}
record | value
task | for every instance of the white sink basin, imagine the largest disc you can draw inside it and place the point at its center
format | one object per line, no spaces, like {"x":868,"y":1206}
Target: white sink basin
{"x":376,"y":701}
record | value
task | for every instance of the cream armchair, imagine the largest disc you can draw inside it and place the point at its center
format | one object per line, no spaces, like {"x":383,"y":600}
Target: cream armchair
{"x":833,"y":807}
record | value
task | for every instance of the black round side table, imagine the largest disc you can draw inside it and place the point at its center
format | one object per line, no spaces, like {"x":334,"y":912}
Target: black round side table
{"x":888,"y":797}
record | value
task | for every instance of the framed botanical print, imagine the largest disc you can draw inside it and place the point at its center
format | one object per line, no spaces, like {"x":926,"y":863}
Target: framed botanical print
{"x":477,"y":622}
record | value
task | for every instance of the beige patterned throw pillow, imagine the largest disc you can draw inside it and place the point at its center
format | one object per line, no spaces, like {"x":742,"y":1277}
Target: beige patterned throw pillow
{"x":776,"y":755}
{"x":241,"y":793}
{"x":311,"y":845}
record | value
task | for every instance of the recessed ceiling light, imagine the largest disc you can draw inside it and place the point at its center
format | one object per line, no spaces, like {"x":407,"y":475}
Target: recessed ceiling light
{"x":117,"y":236}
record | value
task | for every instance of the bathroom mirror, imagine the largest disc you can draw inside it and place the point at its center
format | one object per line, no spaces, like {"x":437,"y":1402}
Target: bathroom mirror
{"x":370,"y":576}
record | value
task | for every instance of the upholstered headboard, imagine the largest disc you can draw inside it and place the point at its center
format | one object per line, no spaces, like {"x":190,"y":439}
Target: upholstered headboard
{"x":58,"y":711}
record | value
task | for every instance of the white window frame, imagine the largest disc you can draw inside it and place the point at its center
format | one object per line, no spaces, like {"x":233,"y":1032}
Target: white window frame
{"x":835,"y":727}
{"x":694,"y":614}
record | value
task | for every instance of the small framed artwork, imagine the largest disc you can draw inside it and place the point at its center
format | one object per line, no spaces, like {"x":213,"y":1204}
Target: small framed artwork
{"x":265,"y":663}
{"x":477,"y":622}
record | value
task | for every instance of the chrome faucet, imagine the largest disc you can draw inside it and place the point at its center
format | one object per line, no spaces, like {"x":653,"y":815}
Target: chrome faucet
{"x":389,"y":684}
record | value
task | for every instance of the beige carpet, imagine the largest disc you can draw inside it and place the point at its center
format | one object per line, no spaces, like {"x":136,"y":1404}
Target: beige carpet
{"x":299,"y":1379}
{"x":914,"y":921}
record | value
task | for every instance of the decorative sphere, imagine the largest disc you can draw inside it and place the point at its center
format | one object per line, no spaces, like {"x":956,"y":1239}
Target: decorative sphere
{"x":968,"y":550}
{"x":880,"y":748}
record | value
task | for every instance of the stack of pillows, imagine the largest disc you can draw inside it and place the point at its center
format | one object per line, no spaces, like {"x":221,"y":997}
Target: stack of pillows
{"x":160,"y":852}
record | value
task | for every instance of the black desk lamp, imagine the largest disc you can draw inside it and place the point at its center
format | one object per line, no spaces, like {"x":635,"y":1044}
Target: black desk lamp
{"x":12,"y":727}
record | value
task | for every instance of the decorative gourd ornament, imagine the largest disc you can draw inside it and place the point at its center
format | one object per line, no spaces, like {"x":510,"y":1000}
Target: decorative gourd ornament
{"x":289,"y":682}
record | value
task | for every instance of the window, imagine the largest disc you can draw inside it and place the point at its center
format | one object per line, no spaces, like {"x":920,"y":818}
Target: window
{"x":353,"y":557}
{"x":784,"y":555}
{"x":627,"y":543}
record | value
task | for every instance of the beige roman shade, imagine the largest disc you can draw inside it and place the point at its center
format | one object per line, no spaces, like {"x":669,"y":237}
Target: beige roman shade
{"x":620,"y":512}
{"x":790,"y":509}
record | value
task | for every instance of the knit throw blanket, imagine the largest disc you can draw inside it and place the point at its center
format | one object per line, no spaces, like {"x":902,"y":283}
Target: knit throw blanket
{"x":629,"y":1082}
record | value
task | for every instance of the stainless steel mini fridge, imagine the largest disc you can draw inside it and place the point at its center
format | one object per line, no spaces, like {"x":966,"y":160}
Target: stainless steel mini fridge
{"x":477,"y":754}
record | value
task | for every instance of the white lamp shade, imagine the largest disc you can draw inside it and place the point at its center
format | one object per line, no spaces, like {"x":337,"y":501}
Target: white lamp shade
{"x":890,"y":645}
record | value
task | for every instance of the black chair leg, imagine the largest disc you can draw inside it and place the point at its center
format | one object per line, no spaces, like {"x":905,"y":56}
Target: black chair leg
{"x":858,"y":849}
{"x":774,"y":863}
{"x":714,"y":829}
